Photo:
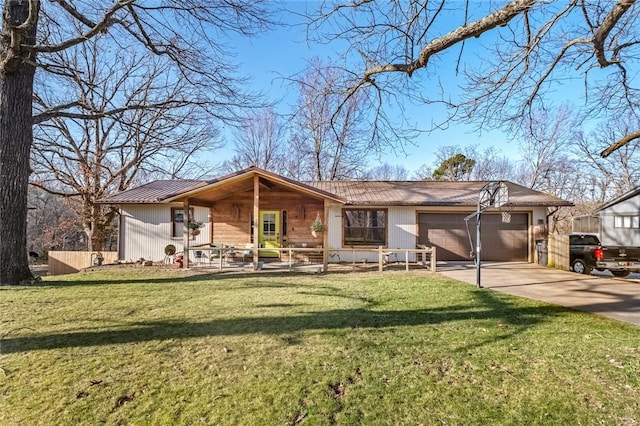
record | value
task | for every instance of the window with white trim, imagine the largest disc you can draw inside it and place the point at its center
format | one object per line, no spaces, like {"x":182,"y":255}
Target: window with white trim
{"x":626,"y":221}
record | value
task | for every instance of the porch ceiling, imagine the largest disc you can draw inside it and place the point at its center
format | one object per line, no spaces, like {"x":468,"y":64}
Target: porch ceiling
{"x":209,"y":195}
{"x":232,"y":188}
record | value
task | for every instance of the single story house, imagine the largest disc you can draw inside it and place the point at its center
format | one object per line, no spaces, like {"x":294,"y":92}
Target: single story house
{"x":620,"y":220}
{"x":257,"y":205}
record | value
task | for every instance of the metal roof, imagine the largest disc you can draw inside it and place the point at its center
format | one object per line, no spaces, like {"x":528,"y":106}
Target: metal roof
{"x":373,"y":193}
{"x":242,"y":180}
{"x":619,"y":199}
{"x":431,"y":193}
{"x":153,"y":192}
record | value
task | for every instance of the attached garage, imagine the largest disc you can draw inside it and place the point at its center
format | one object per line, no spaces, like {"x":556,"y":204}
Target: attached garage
{"x":500,"y":241}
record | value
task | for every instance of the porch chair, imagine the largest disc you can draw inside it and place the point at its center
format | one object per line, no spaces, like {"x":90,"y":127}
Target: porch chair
{"x":199,"y":256}
{"x":247,"y":253}
{"x":215,"y":252}
{"x":421,"y":256}
{"x":389,"y":257}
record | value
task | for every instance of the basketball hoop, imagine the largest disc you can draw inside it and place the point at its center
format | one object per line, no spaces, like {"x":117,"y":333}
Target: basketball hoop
{"x":505,"y":212}
{"x":494,"y":194}
{"x":506,"y":217}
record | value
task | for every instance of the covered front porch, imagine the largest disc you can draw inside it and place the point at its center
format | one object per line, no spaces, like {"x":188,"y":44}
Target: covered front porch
{"x":255,"y":217}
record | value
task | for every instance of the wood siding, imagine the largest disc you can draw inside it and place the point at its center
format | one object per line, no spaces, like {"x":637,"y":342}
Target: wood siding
{"x":231,"y":218}
{"x":403,"y":230}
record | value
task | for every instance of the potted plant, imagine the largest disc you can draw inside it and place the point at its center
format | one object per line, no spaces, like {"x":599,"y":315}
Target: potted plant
{"x":194,"y":227}
{"x":317,"y":226}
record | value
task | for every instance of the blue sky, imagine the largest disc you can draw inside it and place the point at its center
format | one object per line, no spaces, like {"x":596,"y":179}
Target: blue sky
{"x":270,"y":58}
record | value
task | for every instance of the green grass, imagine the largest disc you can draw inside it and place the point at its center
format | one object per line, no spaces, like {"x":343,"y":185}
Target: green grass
{"x":138,"y":347}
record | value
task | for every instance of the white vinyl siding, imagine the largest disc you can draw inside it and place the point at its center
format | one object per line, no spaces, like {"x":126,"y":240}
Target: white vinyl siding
{"x":613,"y":235}
{"x":403,"y":231}
{"x":147,"y":230}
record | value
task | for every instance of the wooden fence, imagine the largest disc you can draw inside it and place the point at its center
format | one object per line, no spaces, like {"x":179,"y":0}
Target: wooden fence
{"x":69,"y":262}
{"x":558,"y":251}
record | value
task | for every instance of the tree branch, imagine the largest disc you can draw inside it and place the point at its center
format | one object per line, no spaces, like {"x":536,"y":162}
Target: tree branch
{"x":58,"y":111}
{"x":475,"y":29}
{"x":101,"y":26}
{"x":75,"y":13}
{"x":620,"y":143}
{"x":605,"y":28}
{"x":16,"y":33}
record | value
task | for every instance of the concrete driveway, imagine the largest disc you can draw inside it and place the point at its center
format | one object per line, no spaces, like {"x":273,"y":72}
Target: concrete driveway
{"x":610,"y":297}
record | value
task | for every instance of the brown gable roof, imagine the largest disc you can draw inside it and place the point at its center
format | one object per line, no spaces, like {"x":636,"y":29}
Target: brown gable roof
{"x":161,"y":191}
{"x":364,"y":193}
{"x":623,"y":197}
{"x":430,"y":193}
{"x":152,"y":192}
{"x":246,"y":175}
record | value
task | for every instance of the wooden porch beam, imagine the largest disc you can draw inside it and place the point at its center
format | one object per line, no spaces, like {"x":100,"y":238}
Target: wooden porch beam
{"x":200,"y":202}
{"x":256,"y":218}
{"x":325,"y":238}
{"x":185,"y":233}
{"x":267,"y":184}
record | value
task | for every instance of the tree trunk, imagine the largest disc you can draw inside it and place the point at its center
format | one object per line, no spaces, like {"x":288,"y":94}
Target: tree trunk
{"x":98,"y":225}
{"x":16,"y":135}
{"x":95,"y":225}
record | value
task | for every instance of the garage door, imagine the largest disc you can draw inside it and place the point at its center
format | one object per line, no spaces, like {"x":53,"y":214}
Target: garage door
{"x":500,"y":241}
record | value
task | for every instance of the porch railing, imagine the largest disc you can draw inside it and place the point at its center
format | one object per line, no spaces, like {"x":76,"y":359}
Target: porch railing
{"x":219,"y":257}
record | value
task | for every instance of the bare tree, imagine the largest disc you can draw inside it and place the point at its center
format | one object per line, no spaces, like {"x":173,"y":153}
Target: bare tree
{"x":531,"y":48}
{"x":548,"y":163}
{"x":491,"y":164}
{"x":386,"y":171}
{"x":329,"y":146}
{"x":64,"y":229}
{"x":545,"y":147}
{"x":188,"y":33}
{"x":617,"y":173}
{"x":89,"y":157}
{"x":260,"y":142}
{"x":51,"y":223}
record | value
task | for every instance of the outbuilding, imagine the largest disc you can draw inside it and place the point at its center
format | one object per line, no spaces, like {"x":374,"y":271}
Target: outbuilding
{"x":620,"y":220}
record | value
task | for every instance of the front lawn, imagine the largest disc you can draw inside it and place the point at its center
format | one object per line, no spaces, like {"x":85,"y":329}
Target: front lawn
{"x":138,"y":347}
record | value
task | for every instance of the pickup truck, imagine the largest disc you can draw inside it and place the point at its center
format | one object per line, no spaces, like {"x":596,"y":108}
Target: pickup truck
{"x":586,"y":254}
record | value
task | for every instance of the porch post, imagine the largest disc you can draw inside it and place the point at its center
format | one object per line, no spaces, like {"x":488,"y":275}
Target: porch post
{"x":325,"y":239}
{"x":185,"y":233}
{"x":256,"y":218}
